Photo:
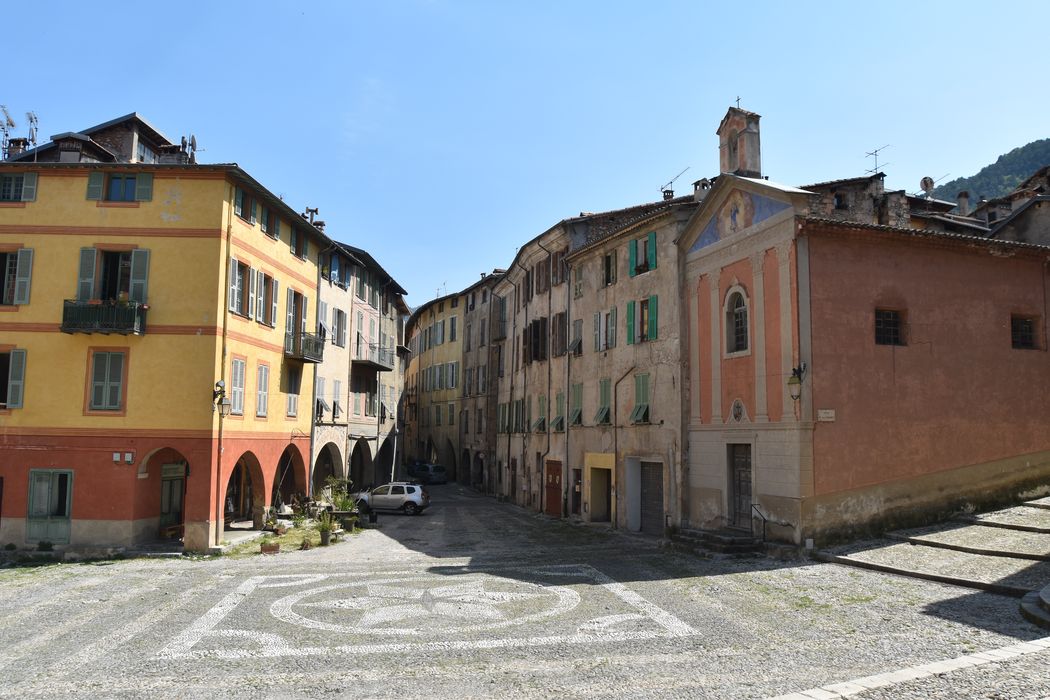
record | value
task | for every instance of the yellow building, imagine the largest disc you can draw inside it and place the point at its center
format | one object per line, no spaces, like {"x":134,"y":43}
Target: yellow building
{"x":149,"y":296}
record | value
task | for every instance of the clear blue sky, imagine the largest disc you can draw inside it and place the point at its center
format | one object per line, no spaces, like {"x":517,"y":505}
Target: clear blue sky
{"x":440,"y":135}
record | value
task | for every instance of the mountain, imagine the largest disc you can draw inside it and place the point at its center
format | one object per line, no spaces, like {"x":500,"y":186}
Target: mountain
{"x":1002,"y":176}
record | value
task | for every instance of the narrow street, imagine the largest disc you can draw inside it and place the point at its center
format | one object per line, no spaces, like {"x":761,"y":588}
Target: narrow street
{"x":475,"y":598}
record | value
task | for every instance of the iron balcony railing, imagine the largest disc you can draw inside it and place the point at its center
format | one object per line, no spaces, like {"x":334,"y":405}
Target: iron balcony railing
{"x":122,"y":317}
{"x":373,"y":354}
{"x":307,"y":347}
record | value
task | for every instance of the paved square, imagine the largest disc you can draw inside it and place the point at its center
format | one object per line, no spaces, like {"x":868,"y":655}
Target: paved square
{"x":404,"y":611}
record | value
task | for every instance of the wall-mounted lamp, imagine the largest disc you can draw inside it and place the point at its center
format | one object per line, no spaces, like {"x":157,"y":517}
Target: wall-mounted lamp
{"x":795,"y":381}
{"x":219,"y":400}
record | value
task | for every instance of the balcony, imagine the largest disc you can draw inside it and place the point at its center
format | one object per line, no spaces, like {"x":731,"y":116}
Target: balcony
{"x":374,"y":357}
{"x":306,"y":347}
{"x":106,"y":317}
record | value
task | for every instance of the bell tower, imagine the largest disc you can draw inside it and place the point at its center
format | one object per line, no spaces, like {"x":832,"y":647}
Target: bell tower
{"x":739,"y":146}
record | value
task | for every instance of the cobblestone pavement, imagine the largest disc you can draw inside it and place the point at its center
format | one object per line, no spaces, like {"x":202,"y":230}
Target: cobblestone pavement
{"x":479,"y":599}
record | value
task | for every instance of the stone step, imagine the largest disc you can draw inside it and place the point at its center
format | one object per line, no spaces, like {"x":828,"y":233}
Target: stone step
{"x":979,"y":539}
{"x":1035,"y":607}
{"x":1039,"y":503}
{"x":722,"y":541}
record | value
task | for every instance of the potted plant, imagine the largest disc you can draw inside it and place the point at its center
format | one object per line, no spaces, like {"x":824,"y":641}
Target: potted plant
{"x":325,"y":525}
{"x":269,"y":546}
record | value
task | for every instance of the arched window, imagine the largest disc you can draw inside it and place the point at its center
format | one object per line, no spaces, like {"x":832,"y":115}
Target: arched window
{"x":736,"y":323}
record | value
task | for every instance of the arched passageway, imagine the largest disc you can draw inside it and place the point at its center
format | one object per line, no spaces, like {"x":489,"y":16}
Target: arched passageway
{"x":244,"y":499}
{"x":327,"y":465}
{"x":362,"y":468}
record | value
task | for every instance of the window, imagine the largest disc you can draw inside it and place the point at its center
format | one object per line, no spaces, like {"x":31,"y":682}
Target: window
{"x":605,"y":330}
{"x":640,"y":414}
{"x":609,"y":268}
{"x":293,"y":383}
{"x":839,"y":200}
{"x":482,"y":378}
{"x":113,"y":275}
{"x":241,"y":287}
{"x":18,"y":187}
{"x":542,"y":275}
{"x":576,"y":346}
{"x":642,"y":320}
{"x":270,"y":223}
{"x":237,"y":387}
{"x":265,"y":298}
{"x":12,"y":378}
{"x":452,"y":332}
{"x":339,"y":327}
{"x":107,"y":381}
{"x":16,"y":269}
{"x":736,"y":323}
{"x":119,"y":187}
{"x":299,"y":245}
{"x":1022,"y":332}
{"x":576,"y":414}
{"x":362,"y":293}
{"x":558,"y":422}
{"x":559,"y":269}
{"x":50,"y":498}
{"x":577,"y":285}
{"x":337,"y":398}
{"x":244,"y":205}
{"x":483,"y":328}
{"x":604,"y":401}
{"x":468,"y":381}
{"x":641,"y":254}
{"x":466,"y":339}
{"x":262,"y":390}
{"x":146,"y":154}
{"x":452,"y":414}
{"x":889,"y":327}
{"x":540,"y":425}
{"x":437,"y":415}
{"x":321,"y":405}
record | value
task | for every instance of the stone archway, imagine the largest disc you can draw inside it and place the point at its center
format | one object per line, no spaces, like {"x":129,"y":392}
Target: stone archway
{"x":477,"y":473}
{"x":464,"y":474}
{"x":329,"y":464}
{"x":385,"y":461}
{"x":362,"y":468}
{"x":165,"y":474}
{"x":289,"y":480}
{"x":245,"y":495}
{"x":450,"y":461}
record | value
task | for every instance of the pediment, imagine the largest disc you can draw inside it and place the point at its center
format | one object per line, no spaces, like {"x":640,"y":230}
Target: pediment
{"x":734,"y":211}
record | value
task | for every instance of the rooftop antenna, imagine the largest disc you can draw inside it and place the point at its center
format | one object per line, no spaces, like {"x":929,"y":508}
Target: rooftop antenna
{"x":33,"y":122}
{"x":927,"y":185}
{"x":6,"y":124}
{"x":875,"y":154}
{"x":311,"y":212}
{"x":666,"y":189}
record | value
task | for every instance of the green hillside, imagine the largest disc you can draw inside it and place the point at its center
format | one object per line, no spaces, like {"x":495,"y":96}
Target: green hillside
{"x":1000,"y":177}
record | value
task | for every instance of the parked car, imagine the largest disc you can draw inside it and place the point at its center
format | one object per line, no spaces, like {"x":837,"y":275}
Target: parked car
{"x":428,"y":473}
{"x":408,"y":498}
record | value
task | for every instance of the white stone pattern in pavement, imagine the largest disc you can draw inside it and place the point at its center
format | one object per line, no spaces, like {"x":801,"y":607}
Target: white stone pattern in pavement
{"x":858,"y":686}
{"x":408,"y":611}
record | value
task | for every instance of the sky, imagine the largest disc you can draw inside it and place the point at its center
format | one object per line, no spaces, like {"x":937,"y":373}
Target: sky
{"x":440,"y":135}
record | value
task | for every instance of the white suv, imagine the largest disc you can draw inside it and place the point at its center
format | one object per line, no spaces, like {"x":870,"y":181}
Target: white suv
{"x":410,"y":499}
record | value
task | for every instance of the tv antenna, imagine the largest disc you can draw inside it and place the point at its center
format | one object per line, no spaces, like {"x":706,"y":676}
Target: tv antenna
{"x":875,"y":154}
{"x":33,"y":122}
{"x":189,"y":146}
{"x":667,"y":187}
{"x":6,"y":124}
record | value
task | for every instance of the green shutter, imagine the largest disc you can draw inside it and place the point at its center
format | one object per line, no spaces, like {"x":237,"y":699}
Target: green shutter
{"x":597,"y":332}
{"x":16,"y":376}
{"x":29,"y":187}
{"x":652,"y":250}
{"x":612,"y":327}
{"x":114,"y":379}
{"x":86,"y":274}
{"x":238,"y":202}
{"x":254,"y":205}
{"x":652,"y":317}
{"x":98,"y":380}
{"x":632,"y":257}
{"x":96,"y":180}
{"x":144,"y":187}
{"x":614,"y":266}
{"x":630,"y":323}
{"x":23,"y":273}
{"x":139,"y":275}
{"x":276,"y":233}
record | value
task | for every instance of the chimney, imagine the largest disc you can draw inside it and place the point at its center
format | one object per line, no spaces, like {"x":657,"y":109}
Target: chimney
{"x":668,"y":194}
{"x":739,"y":145}
{"x":700,"y":189}
{"x":16,"y":147}
{"x":963,"y":199}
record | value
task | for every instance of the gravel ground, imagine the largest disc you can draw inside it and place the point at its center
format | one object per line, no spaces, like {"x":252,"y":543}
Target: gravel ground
{"x":477,"y":599}
{"x":1021,"y":515}
{"x":990,"y":538}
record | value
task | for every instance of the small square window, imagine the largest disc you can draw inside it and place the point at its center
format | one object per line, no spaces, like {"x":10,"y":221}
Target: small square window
{"x":889,"y":327}
{"x":1022,"y":332}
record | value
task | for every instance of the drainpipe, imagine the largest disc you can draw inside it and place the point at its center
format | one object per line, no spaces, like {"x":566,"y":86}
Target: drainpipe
{"x":543,"y":457}
{"x":567,"y":499}
{"x":524,"y":380}
{"x":616,"y":427}
{"x":222,"y":364}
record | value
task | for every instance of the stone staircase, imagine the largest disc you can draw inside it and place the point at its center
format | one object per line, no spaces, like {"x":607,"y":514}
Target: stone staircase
{"x":728,"y":542}
{"x":1035,"y":607}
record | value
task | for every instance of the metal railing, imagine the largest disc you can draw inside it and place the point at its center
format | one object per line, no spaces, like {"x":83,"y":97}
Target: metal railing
{"x":308,"y":347}
{"x":122,"y":317}
{"x":374,"y":353}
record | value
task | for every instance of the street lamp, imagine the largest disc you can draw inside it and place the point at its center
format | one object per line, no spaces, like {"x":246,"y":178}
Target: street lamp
{"x":794,"y":382}
{"x":219,"y":400}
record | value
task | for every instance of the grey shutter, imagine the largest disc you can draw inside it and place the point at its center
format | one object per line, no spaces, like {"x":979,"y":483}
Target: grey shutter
{"x":144,"y":187}
{"x":254,"y":205}
{"x":250,"y":283}
{"x":597,"y":332}
{"x":260,"y":296}
{"x":276,"y":233}
{"x":303,"y":312}
{"x":274,"y":296}
{"x":16,"y":376}
{"x":115,"y":379}
{"x":290,"y":313}
{"x":29,"y":187}
{"x":96,"y":180}
{"x":23,"y":273}
{"x":139,"y":275}
{"x":233,"y":285}
{"x":86,"y":274}
{"x":98,"y":381}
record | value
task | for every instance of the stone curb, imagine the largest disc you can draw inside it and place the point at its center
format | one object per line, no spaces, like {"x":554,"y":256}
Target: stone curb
{"x":964,"y":548}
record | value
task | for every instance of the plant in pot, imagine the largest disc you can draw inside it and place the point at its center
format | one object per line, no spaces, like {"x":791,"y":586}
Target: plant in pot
{"x":269,"y":546}
{"x":325,"y":525}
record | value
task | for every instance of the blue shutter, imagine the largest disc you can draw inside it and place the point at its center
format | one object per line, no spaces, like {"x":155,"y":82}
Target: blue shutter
{"x":630,"y":323}
{"x":96,"y":180}
{"x":86,"y":274}
{"x":23,"y":273}
{"x":652,"y":250}
{"x":16,"y":375}
{"x":29,"y":187}
{"x":139,"y":275}
{"x":144,"y":187}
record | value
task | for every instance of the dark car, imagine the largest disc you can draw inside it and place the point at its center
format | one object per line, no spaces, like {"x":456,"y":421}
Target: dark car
{"x":428,"y":473}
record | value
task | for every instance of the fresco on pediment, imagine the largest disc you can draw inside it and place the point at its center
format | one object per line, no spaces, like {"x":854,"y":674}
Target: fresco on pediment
{"x":741,"y":210}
